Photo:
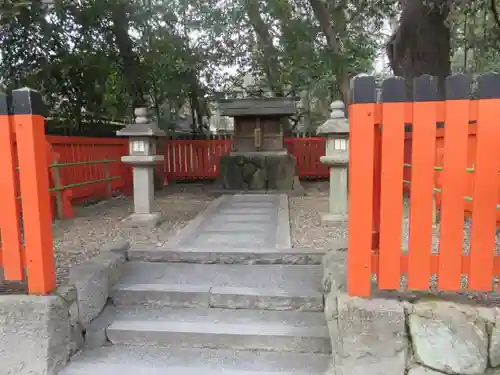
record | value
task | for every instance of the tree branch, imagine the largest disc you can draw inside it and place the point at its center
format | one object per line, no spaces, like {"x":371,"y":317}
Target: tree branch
{"x":493,"y":8}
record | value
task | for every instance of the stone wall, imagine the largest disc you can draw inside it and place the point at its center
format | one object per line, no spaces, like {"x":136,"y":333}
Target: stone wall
{"x":38,"y":334}
{"x":260,"y":171}
{"x":383,"y":336}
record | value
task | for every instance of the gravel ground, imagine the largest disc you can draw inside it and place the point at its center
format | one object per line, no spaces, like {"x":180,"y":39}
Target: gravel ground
{"x":307,"y":229}
{"x":309,"y":232}
{"x":98,"y":226}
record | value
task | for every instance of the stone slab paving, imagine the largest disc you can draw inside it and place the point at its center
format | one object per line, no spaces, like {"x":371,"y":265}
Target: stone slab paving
{"x":239,"y":221}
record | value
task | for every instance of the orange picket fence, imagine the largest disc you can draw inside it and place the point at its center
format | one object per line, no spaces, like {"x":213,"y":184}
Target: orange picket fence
{"x":453,"y":153}
{"x":25,"y":222}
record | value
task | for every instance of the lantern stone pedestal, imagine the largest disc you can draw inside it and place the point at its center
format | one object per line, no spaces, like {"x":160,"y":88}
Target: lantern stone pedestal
{"x":336,"y":131}
{"x":143,"y":159}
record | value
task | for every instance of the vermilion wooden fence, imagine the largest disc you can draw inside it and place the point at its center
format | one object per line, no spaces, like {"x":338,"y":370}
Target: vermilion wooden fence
{"x":81,"y":166}
{"x":199,"y":159}
{"x":194,"y":159}
{"x":26,"y":228}
{"x":307,"y":152}
{"x":468,"y":173}
{"x":438,"y":176}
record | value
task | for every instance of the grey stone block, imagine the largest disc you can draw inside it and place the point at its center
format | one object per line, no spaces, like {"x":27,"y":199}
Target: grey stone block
{"x":223,"y":336}
{"x":150,"y":276}
{"x":133,"y":360}
{"x":420,"y":370}
{"x":258,"y":171}
{"x":113,"y":261}
{"x":93,"y":281}
{"x":214,"y":328}
{"x":211,"y":255}
{"x":77,"y":339}
{"x":449,"y":337}
{"x":161,"y":295}
{"x":334,"y":272}
{"x":369,"y":336}
{"x":69,"y":295}
{"x":148,"y":221}
{"x":372,"y":366}
{"x":119,"y":247}
{"x":95,"y":334}
{"x":92,"y":284}
{"x":35,"y":335}
{"x":266,"y":299}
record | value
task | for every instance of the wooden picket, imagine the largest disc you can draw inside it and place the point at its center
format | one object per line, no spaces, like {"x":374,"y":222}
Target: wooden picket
{"x":391,"y":176}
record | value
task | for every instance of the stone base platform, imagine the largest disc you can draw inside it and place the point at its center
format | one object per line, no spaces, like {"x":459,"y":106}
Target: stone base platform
{"x":260,"y":171}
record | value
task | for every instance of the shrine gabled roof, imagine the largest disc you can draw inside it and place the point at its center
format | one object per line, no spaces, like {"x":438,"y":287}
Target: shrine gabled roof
{"x":257,"y":107}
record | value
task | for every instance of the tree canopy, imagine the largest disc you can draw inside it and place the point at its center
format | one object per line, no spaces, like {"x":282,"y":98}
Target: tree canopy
{"x":94,"y":61}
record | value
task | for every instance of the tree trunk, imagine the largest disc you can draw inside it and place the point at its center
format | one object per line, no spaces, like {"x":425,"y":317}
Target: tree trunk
{"x":129,"y":61}
{"x":270,"y":61}
{"x":333,"y":37}
{"x":421,"y":44}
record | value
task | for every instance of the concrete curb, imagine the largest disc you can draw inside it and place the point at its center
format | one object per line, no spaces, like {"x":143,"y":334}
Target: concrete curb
{"x":39,"y":334}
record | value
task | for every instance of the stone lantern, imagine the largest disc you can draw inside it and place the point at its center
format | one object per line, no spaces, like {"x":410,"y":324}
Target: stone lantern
{"x":142,"y":157}
{"x":336,"y":131}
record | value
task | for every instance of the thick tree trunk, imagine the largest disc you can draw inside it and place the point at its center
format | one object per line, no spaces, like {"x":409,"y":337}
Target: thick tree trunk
{"x":421,"y":43}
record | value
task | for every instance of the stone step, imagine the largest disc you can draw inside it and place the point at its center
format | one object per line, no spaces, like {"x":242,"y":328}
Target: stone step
{"x":210,"y":255}
{"x":132,"y":360}
{"x":234,"y":286}
{"x":304,"y":332}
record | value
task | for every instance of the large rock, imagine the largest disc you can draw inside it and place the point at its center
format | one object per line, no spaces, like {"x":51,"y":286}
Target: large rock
{"x":449,"y":337}
{"x":494,"y":347}
{"x":369,"y":336}
{"x":35,"y":335}
{"x":420,"y":370}
{"x":259,"y":171}
{"x":93,"y":281}
{"x":334,"y":271}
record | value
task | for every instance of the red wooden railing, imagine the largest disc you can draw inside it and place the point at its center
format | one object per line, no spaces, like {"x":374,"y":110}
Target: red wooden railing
{"x":194,"y":159}
{"x":199,"y":159}
{"x":468,"y":173}
{"x":87,"y":149}
{"x":184,"y":160}
{"x":307,"y":152}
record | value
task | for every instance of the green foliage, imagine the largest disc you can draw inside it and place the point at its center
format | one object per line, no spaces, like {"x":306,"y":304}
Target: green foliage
{"x":101,"y":58}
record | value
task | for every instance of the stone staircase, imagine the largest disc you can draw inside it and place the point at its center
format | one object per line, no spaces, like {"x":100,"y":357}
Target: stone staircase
{"x":206,"y":310}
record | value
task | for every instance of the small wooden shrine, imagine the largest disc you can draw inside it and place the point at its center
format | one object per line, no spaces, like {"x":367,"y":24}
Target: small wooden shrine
{"x":259,"y":159}
{"x":259,"y":124}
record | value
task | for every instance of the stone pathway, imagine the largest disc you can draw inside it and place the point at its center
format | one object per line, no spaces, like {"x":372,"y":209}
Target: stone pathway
{"x":227,"y":294}
{"x":240,"y":221}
